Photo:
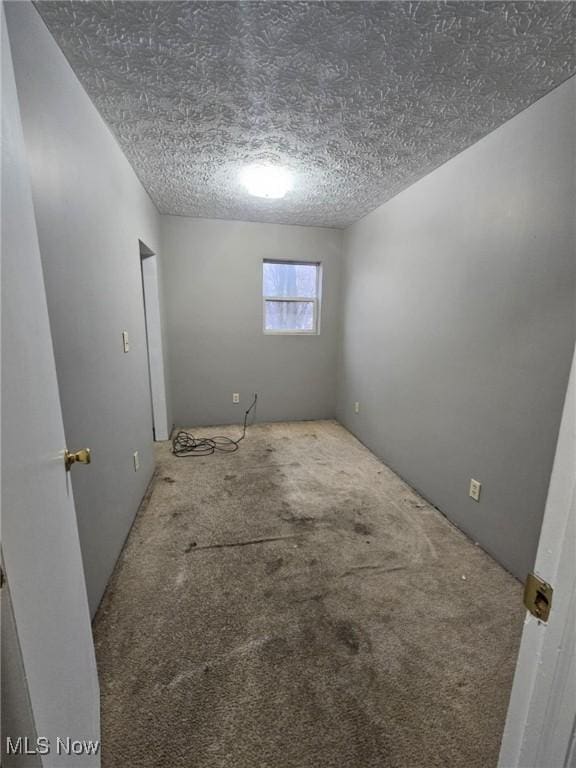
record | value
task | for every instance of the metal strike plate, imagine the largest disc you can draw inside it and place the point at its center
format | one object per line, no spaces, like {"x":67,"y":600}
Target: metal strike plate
{"x":538,"y":597}
{"x":80,"y":457}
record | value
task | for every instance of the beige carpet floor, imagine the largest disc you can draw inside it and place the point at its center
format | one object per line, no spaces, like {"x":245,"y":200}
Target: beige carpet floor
{"x":296,"y":605}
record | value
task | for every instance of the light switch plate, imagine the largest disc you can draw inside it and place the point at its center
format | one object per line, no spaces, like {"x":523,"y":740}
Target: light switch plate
{"x":136,"y":461}
{"x":125,"y":341}
{"x":475,"y":488}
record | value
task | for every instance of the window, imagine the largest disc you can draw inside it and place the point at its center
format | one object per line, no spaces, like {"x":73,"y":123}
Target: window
{"x":291,"y":297}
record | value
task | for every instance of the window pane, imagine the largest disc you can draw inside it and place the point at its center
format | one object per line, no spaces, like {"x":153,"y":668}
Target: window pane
{"x":289,"y":316}
{"x":290,"y":280}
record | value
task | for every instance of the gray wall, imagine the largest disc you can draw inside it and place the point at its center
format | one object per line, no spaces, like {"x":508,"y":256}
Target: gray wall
{"x":213,"y":300}
{"x":459,"y":322}
{"x":90,"y":210}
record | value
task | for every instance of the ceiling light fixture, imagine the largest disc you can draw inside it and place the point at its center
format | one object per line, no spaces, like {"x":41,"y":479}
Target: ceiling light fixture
{"x":266,"y":181}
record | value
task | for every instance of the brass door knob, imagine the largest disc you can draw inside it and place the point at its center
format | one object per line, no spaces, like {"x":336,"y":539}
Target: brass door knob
{"x":82,"y":457}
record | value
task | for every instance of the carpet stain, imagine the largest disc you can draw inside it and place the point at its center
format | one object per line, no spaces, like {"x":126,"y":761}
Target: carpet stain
{"x":362,"y":529}
{"x":251,"y":622}
{"x":272,"y":566}
{"x":347,"y":634}
{"x":299,"y":521}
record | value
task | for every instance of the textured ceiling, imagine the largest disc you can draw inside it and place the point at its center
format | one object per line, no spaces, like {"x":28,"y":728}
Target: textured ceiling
{"x":358,"y":99}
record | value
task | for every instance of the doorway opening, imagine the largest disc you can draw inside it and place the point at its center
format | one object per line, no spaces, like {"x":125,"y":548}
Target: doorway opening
{"x":151,"y":302}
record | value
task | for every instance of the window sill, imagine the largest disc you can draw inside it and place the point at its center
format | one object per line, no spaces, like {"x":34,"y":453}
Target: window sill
{"x":291,"y":333}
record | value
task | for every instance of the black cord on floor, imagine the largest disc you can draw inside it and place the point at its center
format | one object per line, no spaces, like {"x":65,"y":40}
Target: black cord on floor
{"x":185,"y":444}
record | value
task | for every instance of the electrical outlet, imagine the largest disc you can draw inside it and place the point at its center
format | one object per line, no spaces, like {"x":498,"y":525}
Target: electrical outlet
{"x":356,"y":407}
{"x":235,"y":398}
{"x":136,"y":461}
{"x":475,"y":488}
{"x":125,"y":341}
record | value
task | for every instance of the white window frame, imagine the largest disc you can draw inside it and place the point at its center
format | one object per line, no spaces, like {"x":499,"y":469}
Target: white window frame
{"x":316,"y":302}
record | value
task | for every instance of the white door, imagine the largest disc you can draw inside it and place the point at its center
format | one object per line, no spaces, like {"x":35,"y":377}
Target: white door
{"x":540,"y":728}
{"x":40,"y":546}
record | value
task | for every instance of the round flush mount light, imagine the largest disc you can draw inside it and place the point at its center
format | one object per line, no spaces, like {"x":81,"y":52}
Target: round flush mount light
{"x":269,"y":181}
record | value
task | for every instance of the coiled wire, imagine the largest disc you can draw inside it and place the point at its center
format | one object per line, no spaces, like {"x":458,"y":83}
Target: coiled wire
{"x":185,"y":444}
